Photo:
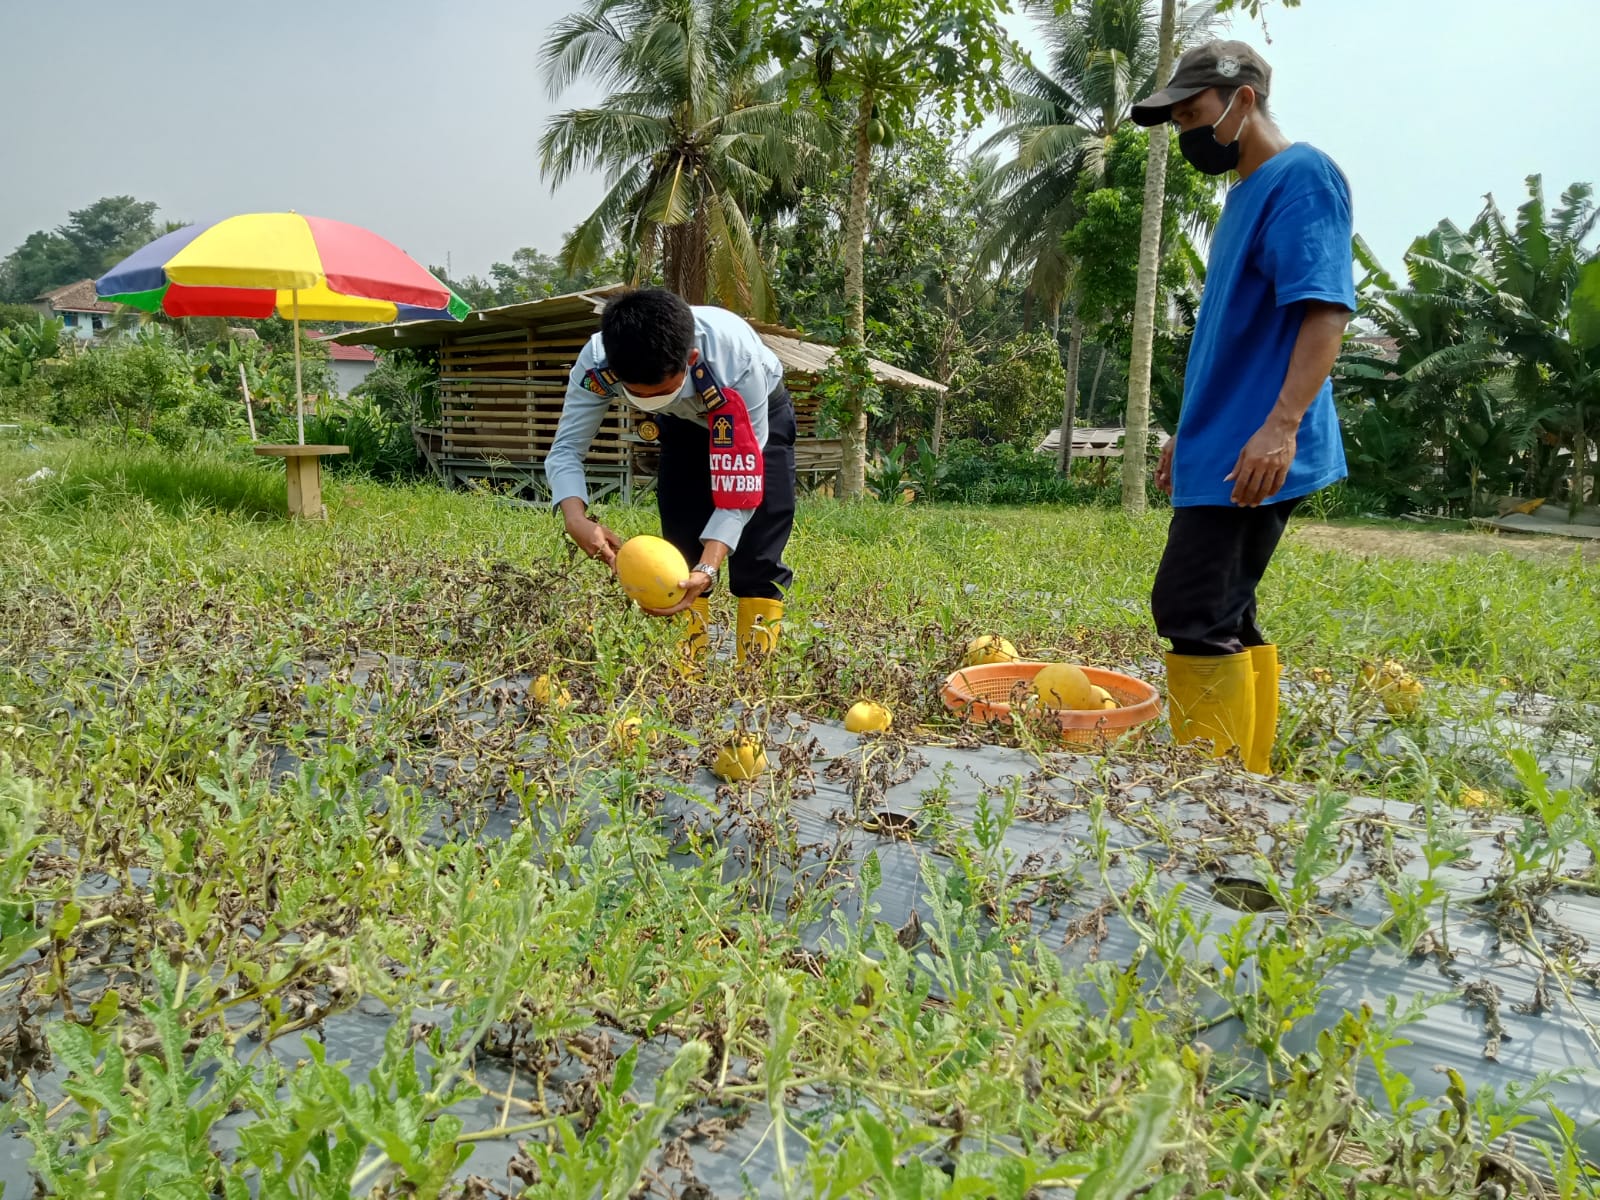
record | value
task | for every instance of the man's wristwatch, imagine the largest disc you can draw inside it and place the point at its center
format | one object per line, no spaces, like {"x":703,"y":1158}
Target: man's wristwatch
{"x":707,"y":569}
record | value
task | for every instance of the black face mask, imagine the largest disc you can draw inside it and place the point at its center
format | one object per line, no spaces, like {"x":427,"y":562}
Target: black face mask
{"x":1204,"y":152}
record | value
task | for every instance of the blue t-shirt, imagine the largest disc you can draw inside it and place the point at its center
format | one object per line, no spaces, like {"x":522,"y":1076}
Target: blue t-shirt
{"x":1284,"y":239}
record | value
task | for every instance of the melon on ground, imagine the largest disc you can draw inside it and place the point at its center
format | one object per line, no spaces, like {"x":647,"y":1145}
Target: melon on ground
{"x":989,"y":649}
{"x":867,"y":716}
{"x":651,"y":570}
{"x":547,"y":693}
{"x":744,"y":759}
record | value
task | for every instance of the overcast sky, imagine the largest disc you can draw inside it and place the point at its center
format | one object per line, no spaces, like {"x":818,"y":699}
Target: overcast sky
{"x":419,"y":119}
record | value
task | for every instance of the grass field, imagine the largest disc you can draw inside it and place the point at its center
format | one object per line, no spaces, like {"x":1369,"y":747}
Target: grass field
{"x":174,"y":901}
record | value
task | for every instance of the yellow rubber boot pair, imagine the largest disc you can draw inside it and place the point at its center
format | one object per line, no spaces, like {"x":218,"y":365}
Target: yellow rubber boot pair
{"x":1231,"y":699}
{"x":760,"y":622}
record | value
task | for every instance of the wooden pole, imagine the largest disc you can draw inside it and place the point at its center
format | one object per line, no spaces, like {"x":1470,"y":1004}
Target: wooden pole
{"x":299,"y":388}
{"x":244,"y":386}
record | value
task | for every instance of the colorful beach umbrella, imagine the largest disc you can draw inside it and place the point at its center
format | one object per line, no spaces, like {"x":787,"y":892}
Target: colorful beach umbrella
{"x":259,"y":264}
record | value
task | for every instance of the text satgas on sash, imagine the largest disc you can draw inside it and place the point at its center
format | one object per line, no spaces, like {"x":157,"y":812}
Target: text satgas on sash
{"x":733,"y":462}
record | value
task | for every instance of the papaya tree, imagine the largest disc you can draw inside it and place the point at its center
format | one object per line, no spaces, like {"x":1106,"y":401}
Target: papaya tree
{"x":883,"y":60}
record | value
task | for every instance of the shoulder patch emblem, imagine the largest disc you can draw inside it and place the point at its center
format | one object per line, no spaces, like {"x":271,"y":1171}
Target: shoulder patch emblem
{"x":600,"y":381}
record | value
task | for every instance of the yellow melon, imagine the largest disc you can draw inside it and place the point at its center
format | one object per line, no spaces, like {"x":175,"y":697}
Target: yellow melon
{"x":744,"y":759}
{"x":627,"y":732}
{"x":989,"y":649}
{"x":1106,"y":699}
{"x":651,"y":570}
{"x":867,"y":716}
{"x":549,"y":694}
{"x":1402,"y":696}
{"x":1400,"y":691}
{"x":1062,"y":685}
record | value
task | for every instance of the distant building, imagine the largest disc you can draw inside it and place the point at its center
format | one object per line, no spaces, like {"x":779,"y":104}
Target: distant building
{"x":1095,"y":442}
{"x":351,"y":364}
{"x":77,"y":307}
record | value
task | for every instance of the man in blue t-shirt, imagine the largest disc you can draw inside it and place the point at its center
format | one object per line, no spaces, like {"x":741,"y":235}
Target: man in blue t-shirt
{"x":1258,"y":431}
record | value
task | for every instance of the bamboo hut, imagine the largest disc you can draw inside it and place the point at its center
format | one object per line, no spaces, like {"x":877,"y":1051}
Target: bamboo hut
{"x":503,"y":376}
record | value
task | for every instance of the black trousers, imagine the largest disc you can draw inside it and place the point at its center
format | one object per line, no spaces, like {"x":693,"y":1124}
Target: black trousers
{"x":683,"y":498}
{"x":1204,"y":598}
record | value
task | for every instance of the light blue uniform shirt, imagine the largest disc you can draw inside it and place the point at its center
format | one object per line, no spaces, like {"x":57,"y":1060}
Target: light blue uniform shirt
{"x":738,"y":358}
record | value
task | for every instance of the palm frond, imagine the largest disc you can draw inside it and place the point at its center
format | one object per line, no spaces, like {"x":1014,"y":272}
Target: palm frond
{"x":671,"y":199}
{"x":581,"y":43}
{"x":587,"y":137}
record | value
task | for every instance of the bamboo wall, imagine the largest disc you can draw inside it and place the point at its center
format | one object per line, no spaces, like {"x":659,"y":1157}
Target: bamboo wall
{"x":501,"y":396}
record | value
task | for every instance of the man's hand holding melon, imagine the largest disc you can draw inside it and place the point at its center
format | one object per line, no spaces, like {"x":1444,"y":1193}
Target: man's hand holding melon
{"x":648,"y":581}
{"x":656,"y":577}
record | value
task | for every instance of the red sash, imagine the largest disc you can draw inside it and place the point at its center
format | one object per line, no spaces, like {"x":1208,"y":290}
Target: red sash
{"x":738,"y":467}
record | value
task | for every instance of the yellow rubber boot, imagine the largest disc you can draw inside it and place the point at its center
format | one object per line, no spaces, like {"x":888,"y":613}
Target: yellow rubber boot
{"x":1264,"y":662}
{"x":759,"y":624}
{"x":1213,"y":697}
{"x":696,"y":639}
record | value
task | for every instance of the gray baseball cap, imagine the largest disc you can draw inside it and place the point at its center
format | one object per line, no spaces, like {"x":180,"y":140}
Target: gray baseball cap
{"x":1216,"y":64}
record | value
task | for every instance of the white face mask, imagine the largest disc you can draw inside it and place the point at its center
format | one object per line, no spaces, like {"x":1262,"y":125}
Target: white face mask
{"x":648,"y":403}
{"x":655,"y":403}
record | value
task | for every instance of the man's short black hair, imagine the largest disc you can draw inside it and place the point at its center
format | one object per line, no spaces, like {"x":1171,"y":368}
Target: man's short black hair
{"x":648,"y":335}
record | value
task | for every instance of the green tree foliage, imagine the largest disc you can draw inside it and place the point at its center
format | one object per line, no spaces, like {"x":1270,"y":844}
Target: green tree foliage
{"x":1486,"y":379}
{"x":1062,"y":119}
{"x":881,"y":61}
{"x":24,"y":349}
{"x":1013,"y":394}
{"x":930,"y":304}
{"x":692,"y":134}
{"x":1065,"y":119}
{"x":13,"y":315}
{"x":1103,"y":242}
{"x":530,"y":275}
{"x":163,"y":383}
{"x":146,"y":386}
{"x":44,"y":260}
{"x":91,"y":240}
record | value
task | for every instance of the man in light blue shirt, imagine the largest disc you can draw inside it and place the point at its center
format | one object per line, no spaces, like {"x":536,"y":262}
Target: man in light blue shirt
{"x":1258,"y":431}
{"x":725,"y":426}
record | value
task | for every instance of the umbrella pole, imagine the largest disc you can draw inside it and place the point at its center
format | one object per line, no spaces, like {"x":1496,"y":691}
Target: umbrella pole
{"x":299,"y":388}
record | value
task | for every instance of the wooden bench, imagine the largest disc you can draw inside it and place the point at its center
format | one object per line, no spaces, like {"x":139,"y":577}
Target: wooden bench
{"x":304,"y":467}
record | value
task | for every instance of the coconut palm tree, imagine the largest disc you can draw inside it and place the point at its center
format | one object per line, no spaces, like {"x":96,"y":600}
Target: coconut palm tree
{"x":693,"y":132}
{"x":1136,"y":421}
{"x":1101,"y":57}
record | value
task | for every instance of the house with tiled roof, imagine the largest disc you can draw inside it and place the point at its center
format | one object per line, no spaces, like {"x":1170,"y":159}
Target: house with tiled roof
{"x":77,"y":307}
{"x":351,"y":364}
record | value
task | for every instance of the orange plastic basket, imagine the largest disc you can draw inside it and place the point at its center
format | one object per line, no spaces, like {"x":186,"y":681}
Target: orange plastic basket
{"x":989,"y":692}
